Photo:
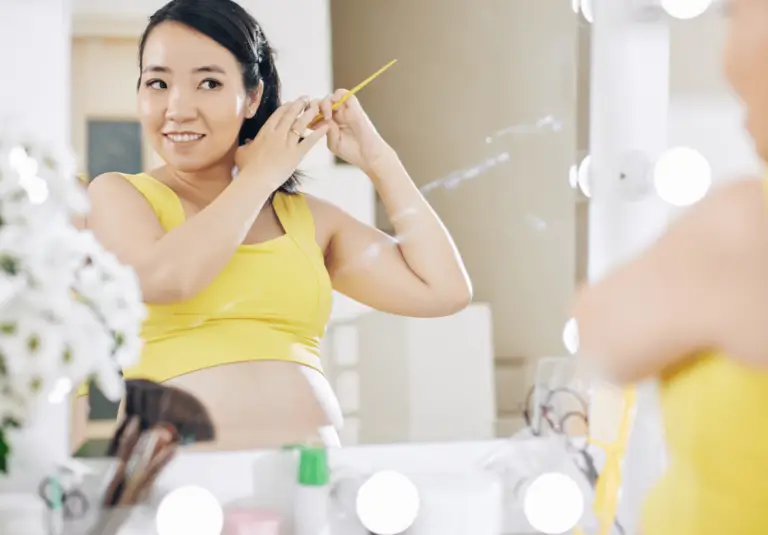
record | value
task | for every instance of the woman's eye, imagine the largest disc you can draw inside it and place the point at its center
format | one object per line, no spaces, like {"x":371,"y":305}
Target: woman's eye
{"x":156,"y":84}
{"x":210,"y":84}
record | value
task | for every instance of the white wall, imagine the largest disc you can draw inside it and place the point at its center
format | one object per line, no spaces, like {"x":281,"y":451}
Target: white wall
{"x":35,"y":88}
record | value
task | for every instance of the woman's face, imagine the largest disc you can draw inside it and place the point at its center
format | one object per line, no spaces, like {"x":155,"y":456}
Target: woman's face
{"x":192,"y":101}
{"x":746,"y":64}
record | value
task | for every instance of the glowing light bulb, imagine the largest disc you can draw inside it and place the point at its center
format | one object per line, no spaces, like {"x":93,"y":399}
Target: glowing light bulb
{"x":189,"y":510}
{"x":553,"y":503}
{"x":682,"y":176}
{"x":387,"y":503}
{"x":571,"y":336}
{"x":573,"y":176}
{"x":685,"y":9}
{"x":584,"y":175}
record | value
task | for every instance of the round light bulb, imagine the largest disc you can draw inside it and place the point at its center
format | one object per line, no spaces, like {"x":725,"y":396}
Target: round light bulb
{"x":573,"y":176}
{"x":685,"y":9}
{"x":553,"y":504}
{"x":682,"y":176}
{"x":387,"y":503}
{"x":571,"y":336}
{"x":584,"y":176}
{"x":189,"y":510}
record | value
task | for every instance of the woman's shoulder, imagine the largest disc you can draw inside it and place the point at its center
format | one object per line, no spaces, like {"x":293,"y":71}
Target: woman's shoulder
{"x":324,"y":212}
{"x":733,"y":218}
{"x":326,"y":215}
{"x":130,"y":188}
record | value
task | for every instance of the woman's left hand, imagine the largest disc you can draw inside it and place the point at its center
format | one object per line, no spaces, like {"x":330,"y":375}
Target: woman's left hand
{"x":351,"y":134}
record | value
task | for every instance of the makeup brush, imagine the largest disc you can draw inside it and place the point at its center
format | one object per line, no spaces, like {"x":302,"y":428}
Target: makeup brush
{"x":153,"y":403}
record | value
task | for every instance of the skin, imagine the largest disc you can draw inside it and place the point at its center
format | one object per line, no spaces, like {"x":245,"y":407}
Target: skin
{"x":418,"y":272}
{"x":668,"y":304}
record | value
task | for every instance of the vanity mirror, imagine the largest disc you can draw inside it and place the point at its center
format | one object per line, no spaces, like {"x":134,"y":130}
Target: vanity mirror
{"x":407,"y":295}
{"x":404,"y":356}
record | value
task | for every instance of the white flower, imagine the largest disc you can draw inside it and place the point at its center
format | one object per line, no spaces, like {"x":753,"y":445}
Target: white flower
{"x":69,"y":310}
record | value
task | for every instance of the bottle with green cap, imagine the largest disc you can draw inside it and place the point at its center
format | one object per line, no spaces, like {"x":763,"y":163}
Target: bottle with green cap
{"x":311,"y":501}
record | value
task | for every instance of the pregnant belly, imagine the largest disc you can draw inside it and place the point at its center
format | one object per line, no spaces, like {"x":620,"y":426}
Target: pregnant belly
{"x":264,"y":404}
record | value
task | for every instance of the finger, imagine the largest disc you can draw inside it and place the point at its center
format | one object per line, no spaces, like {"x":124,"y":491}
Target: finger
{"x":276,"y":119}
{"x":310,"y":141}
{"x":326,"y":108}
{"x":277,"y":115}
{"x":339,"y":94}
{"x":305,"y":119}
{"x":293,"y":111}
{"x":333,"y":136}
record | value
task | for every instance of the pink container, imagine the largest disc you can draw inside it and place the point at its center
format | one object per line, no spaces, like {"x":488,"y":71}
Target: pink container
{"x":244,"y":521}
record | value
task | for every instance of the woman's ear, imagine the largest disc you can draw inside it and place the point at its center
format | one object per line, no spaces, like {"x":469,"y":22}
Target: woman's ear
{"x":254,"y":99}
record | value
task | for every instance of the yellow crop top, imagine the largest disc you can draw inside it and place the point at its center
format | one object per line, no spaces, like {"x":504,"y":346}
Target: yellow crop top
{"x":716,"y":420}
{"x":271,"y":302}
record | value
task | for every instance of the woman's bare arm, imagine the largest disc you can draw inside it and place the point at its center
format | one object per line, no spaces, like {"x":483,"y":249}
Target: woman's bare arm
{"x":79,"y":427}
{"x":703,"y":285}
{"x":176,"y":265}
{"x":418,"y":272}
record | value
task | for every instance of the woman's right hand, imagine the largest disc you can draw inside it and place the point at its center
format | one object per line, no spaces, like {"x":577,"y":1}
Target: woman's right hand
{"x":279,"y":146}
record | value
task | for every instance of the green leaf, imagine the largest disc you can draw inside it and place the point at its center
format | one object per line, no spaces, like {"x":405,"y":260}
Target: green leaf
{"x":9,"y":265}
{"x":5,"y":452}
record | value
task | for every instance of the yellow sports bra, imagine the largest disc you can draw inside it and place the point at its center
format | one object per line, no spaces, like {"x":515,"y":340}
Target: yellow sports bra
{"x":715,"y":414}
{"x":271,"y":302}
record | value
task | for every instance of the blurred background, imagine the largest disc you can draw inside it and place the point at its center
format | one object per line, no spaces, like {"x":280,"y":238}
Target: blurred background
{"x":488,"y":107}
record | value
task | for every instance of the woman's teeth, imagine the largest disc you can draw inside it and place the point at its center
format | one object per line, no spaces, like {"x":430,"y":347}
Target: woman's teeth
{"x":184,"y":138}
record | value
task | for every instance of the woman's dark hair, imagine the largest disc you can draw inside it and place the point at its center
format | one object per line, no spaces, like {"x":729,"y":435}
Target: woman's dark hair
{"x":230,"y":25}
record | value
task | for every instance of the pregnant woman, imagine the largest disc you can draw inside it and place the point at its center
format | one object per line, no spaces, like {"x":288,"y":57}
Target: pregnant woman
{"x":238,"y":273}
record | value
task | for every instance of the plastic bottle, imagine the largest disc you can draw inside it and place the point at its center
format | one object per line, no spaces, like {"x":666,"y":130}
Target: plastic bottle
{"x":311,"y":501}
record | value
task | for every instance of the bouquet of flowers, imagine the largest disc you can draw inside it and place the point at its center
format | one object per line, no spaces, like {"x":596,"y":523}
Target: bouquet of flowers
{"x":69,"y":311}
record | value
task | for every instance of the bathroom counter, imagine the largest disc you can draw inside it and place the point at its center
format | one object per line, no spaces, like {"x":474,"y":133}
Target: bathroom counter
{"x":468,"y":488}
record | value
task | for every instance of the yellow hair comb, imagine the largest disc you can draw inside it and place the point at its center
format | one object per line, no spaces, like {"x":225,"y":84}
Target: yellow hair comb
{"x":357,"y":88}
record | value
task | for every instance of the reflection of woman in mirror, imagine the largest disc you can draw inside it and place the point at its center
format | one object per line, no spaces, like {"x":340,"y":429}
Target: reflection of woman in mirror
{"x":239,"y":273}
{"x":692,"y":309}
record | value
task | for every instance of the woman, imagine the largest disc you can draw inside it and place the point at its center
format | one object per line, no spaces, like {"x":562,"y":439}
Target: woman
{"x":692,"y":310}
{"x":238,"y":274}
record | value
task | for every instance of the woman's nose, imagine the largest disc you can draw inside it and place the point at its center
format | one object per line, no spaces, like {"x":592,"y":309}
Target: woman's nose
{"x":181,"y":105}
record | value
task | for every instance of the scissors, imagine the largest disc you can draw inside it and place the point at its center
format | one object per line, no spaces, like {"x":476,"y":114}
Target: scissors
{"x":72,"y":503}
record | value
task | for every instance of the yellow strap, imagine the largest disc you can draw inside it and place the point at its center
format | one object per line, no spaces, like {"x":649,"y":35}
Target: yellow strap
{"x":163,"y":199}
{"x":295,"y":216}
